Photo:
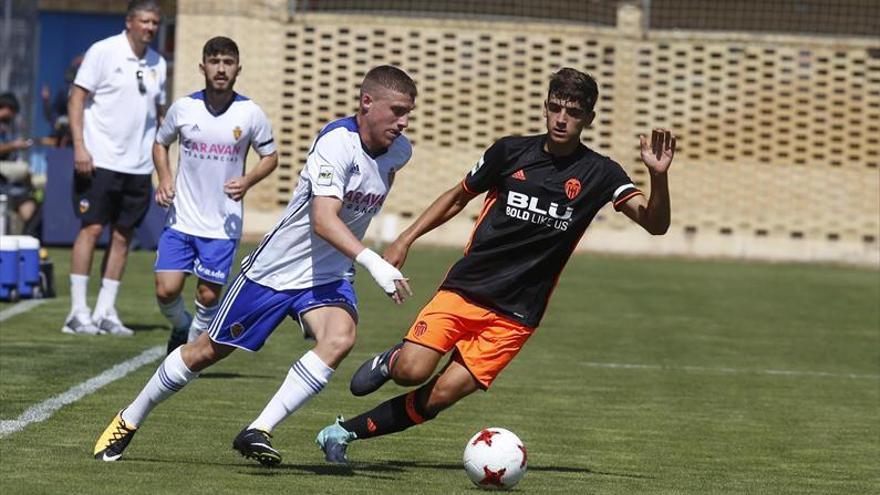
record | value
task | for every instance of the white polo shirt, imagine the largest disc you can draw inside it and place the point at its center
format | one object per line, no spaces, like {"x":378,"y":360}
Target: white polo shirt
{"x":213,"y":147}
{"x":119,"y":122}
{"x":292,"y":256}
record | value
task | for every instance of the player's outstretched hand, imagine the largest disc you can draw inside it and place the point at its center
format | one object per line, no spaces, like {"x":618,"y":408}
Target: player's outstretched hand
{"x":658,"y":156}
{"x":402,"y":290}
{"x":236,"y":187}
{"x":396,"y":253}
{"x":386,"y":276}
{"x":165,"y":193}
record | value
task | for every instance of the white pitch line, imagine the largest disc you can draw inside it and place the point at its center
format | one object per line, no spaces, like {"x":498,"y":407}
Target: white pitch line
{"x":21,"y":307}
{"x":47,"y":408}
{"x":738,"y":371}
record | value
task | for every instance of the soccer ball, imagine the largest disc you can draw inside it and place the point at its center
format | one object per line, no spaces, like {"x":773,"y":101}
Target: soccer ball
{"x":495,"y":459}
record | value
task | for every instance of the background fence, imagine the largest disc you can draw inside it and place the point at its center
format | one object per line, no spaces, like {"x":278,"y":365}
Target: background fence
{"x":829,"y":17}
{"x":777,"y":104}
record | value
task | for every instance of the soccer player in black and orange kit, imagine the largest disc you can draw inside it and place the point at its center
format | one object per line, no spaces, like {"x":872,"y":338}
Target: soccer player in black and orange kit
{"x":542,"y":193}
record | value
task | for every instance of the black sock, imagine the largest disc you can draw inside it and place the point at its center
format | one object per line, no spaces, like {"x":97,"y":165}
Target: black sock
{"x":390,"y":416}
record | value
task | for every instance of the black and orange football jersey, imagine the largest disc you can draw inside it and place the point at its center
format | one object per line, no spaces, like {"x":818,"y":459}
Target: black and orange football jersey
{"x":537,"y":207}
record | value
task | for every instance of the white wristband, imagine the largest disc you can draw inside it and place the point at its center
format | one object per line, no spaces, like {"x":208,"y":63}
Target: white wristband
{"x":383,"y":272}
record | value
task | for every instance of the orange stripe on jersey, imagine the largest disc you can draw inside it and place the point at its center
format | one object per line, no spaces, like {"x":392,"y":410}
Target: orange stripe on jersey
{"x":411,"y":408}
{"x":627,"y":198}
{"x":490,"y":200}
{"x":465,"y":187}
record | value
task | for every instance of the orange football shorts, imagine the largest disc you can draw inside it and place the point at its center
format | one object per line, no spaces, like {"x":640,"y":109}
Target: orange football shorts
{"x":486,"y":341}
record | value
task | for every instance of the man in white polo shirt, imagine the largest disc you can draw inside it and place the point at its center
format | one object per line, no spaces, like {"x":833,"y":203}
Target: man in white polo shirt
{"x":115,"y":103}
{"x":216,"y":127}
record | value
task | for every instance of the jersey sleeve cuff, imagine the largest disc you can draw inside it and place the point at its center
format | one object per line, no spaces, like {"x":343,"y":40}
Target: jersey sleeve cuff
{"x":466,"y":188}
{"x":623,"y":194}
{"x":87,"y":86}
{"x":327,"y":191}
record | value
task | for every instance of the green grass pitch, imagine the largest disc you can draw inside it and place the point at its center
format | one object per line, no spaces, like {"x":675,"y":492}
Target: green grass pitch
{"x":646,"y":376}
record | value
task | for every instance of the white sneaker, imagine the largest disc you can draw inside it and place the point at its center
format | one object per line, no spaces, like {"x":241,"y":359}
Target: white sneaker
{"x":113,"y":326}
{"x":81,"y":324}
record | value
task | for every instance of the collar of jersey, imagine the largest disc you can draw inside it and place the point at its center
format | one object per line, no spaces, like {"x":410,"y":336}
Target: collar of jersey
{"x":200,"y":95}
{"x":131,"y":55}
{"x":566,"y":160}
{"x":357,"y":129}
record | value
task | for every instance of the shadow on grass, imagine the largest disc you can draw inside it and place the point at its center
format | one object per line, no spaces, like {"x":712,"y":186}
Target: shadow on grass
{"x":224,"y":375}
{"x":377,"y":469}
{"x":403,"y":465}
{"x":374,"y":470}
{"x":146,"y":328}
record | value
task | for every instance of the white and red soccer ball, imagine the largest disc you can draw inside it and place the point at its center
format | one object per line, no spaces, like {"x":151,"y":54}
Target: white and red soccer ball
{"x":495,"y":459}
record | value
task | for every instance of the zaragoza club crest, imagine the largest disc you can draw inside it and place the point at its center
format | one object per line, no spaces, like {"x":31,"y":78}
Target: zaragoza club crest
{"x":236,"y":329}
{"x":236,"y":133}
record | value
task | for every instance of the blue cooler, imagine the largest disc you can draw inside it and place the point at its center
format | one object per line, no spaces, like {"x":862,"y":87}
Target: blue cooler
{"x":28,"y":266}
{"x":8,"y":268}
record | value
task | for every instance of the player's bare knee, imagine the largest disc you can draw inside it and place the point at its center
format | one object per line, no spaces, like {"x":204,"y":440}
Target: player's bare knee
{"x":207,"y":296}
{"x":121,"y":237}
{"x":407,"y":373}
{"x":166,"y":293}
{"x":339,"y":343}
{"x":92,"y":231}
{"x":203,"y":352}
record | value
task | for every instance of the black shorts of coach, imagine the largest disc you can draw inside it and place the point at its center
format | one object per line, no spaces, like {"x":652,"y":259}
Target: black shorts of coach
{"x":116,"y":198}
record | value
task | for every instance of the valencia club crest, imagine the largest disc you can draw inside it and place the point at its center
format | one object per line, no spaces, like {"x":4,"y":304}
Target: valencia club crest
{"x":572,"y":188}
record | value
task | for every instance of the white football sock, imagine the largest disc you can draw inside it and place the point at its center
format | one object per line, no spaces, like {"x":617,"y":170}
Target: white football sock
{"x":171,"y":376}
{"x":79,"y":285}
{"x":174,"y":312}
{"x":202,"y":320}
{"x":106,"y":305}
{"x":305,"y":379}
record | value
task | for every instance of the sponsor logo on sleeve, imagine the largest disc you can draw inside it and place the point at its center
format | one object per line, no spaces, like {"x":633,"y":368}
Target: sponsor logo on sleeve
{"x":325,"y":175}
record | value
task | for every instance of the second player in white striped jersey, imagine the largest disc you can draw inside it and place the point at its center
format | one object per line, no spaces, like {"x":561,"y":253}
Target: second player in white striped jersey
{"x":216,"y":127}
{"x":213,"y":148}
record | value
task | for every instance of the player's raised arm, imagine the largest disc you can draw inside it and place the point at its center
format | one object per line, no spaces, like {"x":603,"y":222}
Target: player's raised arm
{"x":445,"y":207}
{"x":653,"y":214}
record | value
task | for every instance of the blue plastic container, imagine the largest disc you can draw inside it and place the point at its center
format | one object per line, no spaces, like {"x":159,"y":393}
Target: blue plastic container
{"x":8,"y":268}
{"x":28,"y":266}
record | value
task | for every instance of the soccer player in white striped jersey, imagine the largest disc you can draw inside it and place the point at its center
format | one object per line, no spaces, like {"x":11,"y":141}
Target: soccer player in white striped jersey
{"x":216,"y":126}
{"x":303,"y":269}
